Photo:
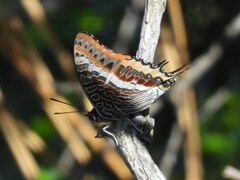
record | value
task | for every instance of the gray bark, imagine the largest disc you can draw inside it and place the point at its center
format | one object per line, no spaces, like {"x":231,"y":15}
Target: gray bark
{"x":131,"y":148}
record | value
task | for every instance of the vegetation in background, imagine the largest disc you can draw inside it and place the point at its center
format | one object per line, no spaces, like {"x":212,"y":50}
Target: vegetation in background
{"x":205,"y":21}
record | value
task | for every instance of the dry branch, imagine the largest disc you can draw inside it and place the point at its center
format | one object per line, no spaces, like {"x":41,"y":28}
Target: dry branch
{"x":130,"y":147}
{"x":73,"y":126}
{"x":185,"y":102}
{"x":202,"y":64}
{"x":150,"y":33}
{"x":21,"y":153}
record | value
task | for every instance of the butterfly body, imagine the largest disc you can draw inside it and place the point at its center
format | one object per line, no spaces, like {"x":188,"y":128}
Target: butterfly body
{"x":117,"y":85}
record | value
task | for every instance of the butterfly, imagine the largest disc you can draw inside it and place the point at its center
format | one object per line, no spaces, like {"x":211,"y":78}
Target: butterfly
{"x":117,"y":85}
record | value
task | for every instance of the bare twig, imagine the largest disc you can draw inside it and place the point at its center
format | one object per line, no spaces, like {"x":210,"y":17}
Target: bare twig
{"x":202,"y":64}
{"x":230,"y":172}
{"x":21,"y":153}
{"x":128,"y":25}
{"x":135,"y":154}
{"x":37,"y":14}
{"x":30,"y":65}
{"x":150,"y":33}
{"x":130,"y":147}
{"x":170,"y":157}
{"x":185,"y":102}
{"x":214,"y":103}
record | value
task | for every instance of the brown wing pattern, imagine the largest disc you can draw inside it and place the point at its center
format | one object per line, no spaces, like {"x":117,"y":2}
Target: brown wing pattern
{"x":117,"y":85}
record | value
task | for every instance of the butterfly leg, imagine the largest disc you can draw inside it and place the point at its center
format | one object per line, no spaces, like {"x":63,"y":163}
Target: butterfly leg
{"x":135,"y":126}
{"x":146,"y":125}
{"x":103,"y":131}
{"x":148,"y":129}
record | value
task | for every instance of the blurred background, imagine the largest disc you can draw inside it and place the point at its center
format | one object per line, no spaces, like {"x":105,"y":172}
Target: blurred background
{"x":197,"y":131}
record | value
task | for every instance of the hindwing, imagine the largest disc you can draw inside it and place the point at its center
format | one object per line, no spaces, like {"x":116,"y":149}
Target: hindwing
{"x":117,"y":85}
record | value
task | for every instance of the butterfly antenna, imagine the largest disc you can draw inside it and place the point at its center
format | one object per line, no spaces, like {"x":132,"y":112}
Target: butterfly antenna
{"x":53,"y":99}
{"x":68,"y":112}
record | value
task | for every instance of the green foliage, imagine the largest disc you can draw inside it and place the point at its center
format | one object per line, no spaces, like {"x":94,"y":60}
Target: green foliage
{"x":217,"y":144}
{"x":89,"y":21}
{"x":42,"y":125}
{"x":205,"y":21}
{"x":230,"y":114}
{"x":47,"y":173}
{"x":220,"y":137}
{"x":32,"y":33}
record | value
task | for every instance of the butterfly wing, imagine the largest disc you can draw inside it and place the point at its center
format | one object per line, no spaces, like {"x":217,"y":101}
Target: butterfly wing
{"x":117,"y":85}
